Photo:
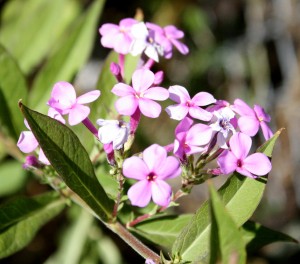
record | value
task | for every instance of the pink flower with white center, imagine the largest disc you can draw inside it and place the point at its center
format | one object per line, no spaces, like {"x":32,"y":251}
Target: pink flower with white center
{"x":27,"y":142}
{"x":140,"y":95}
{"x":236,"y":158}
{"x":118,"y":37}
{"x":190,"y":139}
{"x":144,"y":40}
{"x":251,"y":119}
{"x":151,"y":171}
{"x":168,"y":37}
{"x":63,"y":99}
{"x":224,"y":124}
{"x":186,"y":105}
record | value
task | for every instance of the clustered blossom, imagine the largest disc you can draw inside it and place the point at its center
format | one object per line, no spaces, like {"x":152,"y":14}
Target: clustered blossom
{"x":207,"y":127}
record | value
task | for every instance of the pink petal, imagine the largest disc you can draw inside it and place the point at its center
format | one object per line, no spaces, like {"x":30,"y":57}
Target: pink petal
{"x":248,"y":125}
{"x":184,"y":125}
{"x":261,"y":114}
{"x":139,"y":194}
{"x":126,"y":105}
{"x":267,"y":132}
{"x":179,"y":94}
{"x":199,"y":135}
{"x":135,"y":168}
{"x":258,"y":164}
{"x":194,"y":149}
{"x":27,"y":142}
{"x":203,"y":98}
{"x":199,"y":113}
{"x":122,"y":89}
{"x":173,"y":33}
{"x":240,"y":107}
{"x":88,"y":97}
{"x":77,"y":114}
{"x":127,"y":22}
{"x":64,"y":94}
{"x":169,"y":169}
{"x":149,"y":108}
{"x":142,"y":79}
{"x":43,"y":158}
{"x":108,"y":28}
{"x":227,"y":162}
{"x":245,"y":172}
{"x":182,"y":48}
{"x":177,"y":112}
{"x":161,"y":192}
{"x":240,"y":145}
{"x":154,"y":156}
{"x":122,"y":43}
{"x":156,"y":93}
{"x":56,"y":115}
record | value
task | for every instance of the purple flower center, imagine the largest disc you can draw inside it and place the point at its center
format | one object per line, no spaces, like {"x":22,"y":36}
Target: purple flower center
{"x":239,"y":163}
{"x":189,"y":103}
{"x":151,"y":176}
{"x":225,"y":124}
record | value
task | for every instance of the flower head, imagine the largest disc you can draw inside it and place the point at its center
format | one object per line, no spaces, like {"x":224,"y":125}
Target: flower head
{"x":151,"y":171}
{"x":237,"y":159}
{"x":186,"y":105}
{"x":113,"y":131}
{"x":63,"y":99}
{"x":190,"y":139}
{"x":252,"y":119}
{"x":140,"y":95}
{"x":118,"y":37}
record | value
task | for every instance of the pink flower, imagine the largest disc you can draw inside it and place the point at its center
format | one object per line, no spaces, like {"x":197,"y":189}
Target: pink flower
{"x":190,"y":139}
{"x":251,"y":119}
{"x":186,"y":105}
{"x":236,"y":158}
{"x":168,"y":37}
{"x":118,"y":37}
{"x":140,"y":95}
{"x":151,"y":171}
{"x":63,"y":99}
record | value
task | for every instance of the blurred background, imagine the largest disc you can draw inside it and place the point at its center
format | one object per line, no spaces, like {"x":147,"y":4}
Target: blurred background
{"x":238,"y":49}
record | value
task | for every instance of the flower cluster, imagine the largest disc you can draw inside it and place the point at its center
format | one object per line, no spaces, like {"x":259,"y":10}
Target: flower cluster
{"x":208,"y":129}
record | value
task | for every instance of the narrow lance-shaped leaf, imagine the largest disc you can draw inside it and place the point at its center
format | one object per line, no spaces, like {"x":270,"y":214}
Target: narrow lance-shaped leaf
{"x":226,"y":240}
{"x":256,"y":236}
{"x":241,"y":196}
{"x":69,"y":158}
{"x":22,"y":218}
{"x":12,"y":88}
{"x":69,"y":58}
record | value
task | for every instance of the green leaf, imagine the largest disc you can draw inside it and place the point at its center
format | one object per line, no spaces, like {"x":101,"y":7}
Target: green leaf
{"x":225,"y":238}
{"x":12,"y":88}
{"x":69,"y":58}
{"x":29,"y":35}
{"x":22,"y":218}
{"x":69,"y":158}
{"x":256,"y":236}
{"x":12,"y":177}
{"x":268,"y":146}
{"x":241,"y":196}
{"x":163,"y":230}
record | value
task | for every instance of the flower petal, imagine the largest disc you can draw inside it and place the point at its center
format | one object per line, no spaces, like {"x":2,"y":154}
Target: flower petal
{"x":43,"y":158}
{"x":139,"y":194}
{"x":135,"y":168}
{"x":108,"y":133}
{"x":142,"y":79}
{"x":88,"y":97}
{"x":126,"y":105}
{"x":199,"y":135}
{"x":27,"y":142}
{"x":169,"y":169}
{"x":77,"y":114}
{"x":154,"y":156}
{"x":149,"y":108}
{"x":203,"y":98}
{"x":248,"y":125}
{"x":122,"y":89}
{"x":184,"y":125}
{"x":199,"y":113}
{"x":258,"y":164}
{"x":245,"y":172}
{"x":261,"y":113}
{"x":63,"y":96}
{"x":177,"y":112}
{"x":179,"y":94}
{"x":240,"y":145}
{"x":227,"y":162}
{"x":240,"y":107}
{"x":267,"y":132}
{"x":156,"y":93}
{"x":161,"y":192}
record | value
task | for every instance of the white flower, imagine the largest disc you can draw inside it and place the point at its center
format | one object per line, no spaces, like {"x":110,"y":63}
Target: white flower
{"x":144,"y":40}
{"x":113,"y":131}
